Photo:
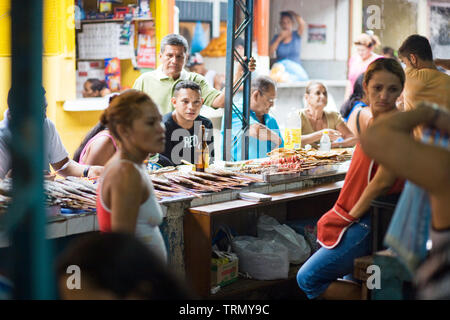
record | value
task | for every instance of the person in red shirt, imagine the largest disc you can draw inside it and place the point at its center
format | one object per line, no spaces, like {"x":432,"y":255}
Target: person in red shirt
{"x":344,"y":231}
{"x":126,"y":200}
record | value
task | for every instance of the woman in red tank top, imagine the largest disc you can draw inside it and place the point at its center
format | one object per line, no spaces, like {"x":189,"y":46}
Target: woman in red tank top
{"x":126,"y":200}
{"x":344,"y":231}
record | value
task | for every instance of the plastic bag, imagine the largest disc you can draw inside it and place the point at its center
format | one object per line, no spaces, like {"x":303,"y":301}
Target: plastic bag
{"x":199,"y":40}
{"x":298,"y":248}
{"x":262,"y":259}
{"x":288,"y":71}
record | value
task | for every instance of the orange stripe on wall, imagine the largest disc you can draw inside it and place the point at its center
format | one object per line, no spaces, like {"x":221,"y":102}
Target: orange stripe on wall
{"x":261,"y":26}
{"x":170,"y":12}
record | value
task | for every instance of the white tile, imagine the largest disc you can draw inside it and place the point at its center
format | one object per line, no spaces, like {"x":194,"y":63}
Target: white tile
{"x":80,"y":224}
{"x":277,"y":188}
{"x":260,"y":189}
{"x":56,"y":229}
{"x":294,"y":186}
{"x":221,"y":196}
{"x":164,"y":210}
{"x":204,"y":200}
{"x":96,"y":225}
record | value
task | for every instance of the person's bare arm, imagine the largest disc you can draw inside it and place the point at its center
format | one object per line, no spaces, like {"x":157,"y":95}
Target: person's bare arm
{"x":379,"y":185}
{"x":364,"y":118}
{"x":261,"y":132}
{"x":300,"y":22}
{"x":444,"y":63}
{"x":125,"y":187}
{"x":219,"y":80}
{"x":349,"y":139}
{"x":315,"y":136}
{"x":279,"y":38}
{"x":99,"y":152}
{"x":390,"y":142}
{"x":68,"y":167}
{"x":219,"y":101}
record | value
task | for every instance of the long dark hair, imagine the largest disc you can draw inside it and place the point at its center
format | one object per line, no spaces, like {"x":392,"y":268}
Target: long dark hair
{"x":96,"y":129}
{"x":357,"y":95}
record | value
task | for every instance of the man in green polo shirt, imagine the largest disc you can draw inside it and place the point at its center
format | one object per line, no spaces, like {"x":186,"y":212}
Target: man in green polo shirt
{"x":159,"y":83}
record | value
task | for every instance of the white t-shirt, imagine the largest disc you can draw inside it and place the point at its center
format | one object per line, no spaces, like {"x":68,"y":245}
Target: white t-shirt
{"x":54,"y":150}
{"x":209,"y":76}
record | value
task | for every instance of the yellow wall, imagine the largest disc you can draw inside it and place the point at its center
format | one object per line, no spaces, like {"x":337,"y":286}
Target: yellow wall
{"x":5,"y":49}
{"x":59,"y":71}
{"x":58,"y":65}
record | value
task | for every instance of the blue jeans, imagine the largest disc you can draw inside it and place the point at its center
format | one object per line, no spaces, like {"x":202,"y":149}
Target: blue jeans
{"x":327,"y":265}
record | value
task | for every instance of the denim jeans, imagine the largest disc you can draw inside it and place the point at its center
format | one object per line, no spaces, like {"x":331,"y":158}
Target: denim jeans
{"x":327,"y":265}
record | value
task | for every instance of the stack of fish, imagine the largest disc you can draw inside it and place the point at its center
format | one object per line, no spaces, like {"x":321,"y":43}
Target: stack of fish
{"x":72,"y":192}
{"x":195,"y":183}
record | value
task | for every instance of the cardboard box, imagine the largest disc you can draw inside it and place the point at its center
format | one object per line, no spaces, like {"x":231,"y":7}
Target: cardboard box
{"x":224,"y":274}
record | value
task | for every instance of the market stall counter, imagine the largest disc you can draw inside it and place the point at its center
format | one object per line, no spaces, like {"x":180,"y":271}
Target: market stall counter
{"x":194,"y":203}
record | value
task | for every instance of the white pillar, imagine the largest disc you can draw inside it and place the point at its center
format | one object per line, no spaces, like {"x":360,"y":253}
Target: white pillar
{"x":216,"y":19}
{"x":357,"y":21}
{"x":423,"y":21}
{"x":176,"y":20}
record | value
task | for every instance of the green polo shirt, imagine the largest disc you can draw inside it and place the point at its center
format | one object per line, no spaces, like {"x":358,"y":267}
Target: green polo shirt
{"x":160,"y":87}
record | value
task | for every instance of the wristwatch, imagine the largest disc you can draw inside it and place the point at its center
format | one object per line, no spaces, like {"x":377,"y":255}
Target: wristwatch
{"x":86,"y":171}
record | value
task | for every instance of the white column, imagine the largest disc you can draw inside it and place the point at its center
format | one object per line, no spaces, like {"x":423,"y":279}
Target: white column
{"x":216,"y":19}
{"x":423,"y":21}
{"x":176,"y":20}
{"x":357,"y":21}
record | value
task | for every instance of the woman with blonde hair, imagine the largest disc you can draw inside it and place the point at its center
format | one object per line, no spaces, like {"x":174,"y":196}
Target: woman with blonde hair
{"x":365,"y":45}
{"x":126,"y":199}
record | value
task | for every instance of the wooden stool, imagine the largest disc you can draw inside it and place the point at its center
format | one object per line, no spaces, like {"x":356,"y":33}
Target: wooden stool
{"x":360,"y":273}
{"x":393,"y":276}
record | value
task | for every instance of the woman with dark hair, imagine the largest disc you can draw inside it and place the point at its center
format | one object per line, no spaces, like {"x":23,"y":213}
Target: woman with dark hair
{"x":344,"y":231}
{"x":287,"y":43}
{"x":97,"y":147}
{"x":355,"y":100}
{"x":95,"y":88}
{"x":126,"y":199}
{"x":116,"y":266}
{"x":355,"y":110}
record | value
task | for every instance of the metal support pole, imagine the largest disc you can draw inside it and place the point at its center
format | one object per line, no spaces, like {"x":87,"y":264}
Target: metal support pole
{"x":247,"y":83}
{"x":232,"y":85}
{"x":26,"y":219}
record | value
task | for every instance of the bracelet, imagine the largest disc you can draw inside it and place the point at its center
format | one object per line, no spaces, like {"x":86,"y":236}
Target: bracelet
{"x":86,"y":171}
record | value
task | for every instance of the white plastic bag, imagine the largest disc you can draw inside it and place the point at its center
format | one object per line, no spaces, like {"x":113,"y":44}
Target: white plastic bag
{"x":262,"y":259}
{"x":298,"y":249}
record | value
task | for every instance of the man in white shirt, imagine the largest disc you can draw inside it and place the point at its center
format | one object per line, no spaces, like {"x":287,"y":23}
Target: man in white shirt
{"x":54,"y":151}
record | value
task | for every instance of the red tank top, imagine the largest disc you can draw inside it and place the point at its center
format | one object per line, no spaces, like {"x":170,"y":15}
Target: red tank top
{"x":362,"y":169}
{"x":103,"y":213}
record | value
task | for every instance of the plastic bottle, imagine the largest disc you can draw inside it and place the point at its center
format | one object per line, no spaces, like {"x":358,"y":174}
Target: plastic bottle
{"x":325,"y":142}
{"x":293,"y":130}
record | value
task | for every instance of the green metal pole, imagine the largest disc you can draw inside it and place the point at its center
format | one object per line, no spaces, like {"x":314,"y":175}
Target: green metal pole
{"x":33,"y":271}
